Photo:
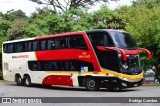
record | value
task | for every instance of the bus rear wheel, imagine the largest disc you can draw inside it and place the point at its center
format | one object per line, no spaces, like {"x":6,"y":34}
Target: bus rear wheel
{"x":27,"y":81}
{"x":19,"y":80}
{"x":91,"y":84}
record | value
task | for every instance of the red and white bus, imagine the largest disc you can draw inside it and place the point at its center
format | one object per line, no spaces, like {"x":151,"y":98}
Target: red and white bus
{"x":93,"y":59}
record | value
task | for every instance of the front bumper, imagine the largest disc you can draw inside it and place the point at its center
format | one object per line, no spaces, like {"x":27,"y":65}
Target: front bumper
{"x":113,"y":82}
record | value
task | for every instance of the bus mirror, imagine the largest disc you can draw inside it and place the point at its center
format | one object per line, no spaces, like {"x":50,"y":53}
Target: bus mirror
{"x":122,"y":52}
{"x":147,"y":51}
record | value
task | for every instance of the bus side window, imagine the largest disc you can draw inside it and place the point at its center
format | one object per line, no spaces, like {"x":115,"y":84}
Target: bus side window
{"x":77,"y":41}
{"x":10,"y":48}
{"x":26,"y":46}
{"x":54,"y":65}
{"x":100,"y":39}
{"x":35,"y":65}
{"x":61,"y":43}
{"x":73,"y":65}
{"x":30,"y":46}
{"x":61,"y":65}
{"x":47,"y":65}
{"x":51,"y":44}
{"x":43,"y":44}
{"x":31,"y":65}
{"x":5,"y":48}
{"x":20,"y":47}
{"x":39,"y":45}
{"x":35,"y":45}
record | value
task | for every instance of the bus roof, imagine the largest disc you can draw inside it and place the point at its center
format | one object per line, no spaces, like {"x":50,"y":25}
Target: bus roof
{"x":103,"y":30}
{"x":44,"y":37}
{"x":62,"y":34}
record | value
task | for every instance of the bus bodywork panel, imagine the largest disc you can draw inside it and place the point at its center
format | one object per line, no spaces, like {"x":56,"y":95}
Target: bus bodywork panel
{"x":109,"y":63}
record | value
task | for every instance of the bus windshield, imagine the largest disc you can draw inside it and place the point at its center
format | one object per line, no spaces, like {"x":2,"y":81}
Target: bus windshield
{"x":131,"y":65}
{"x":123,"y":40}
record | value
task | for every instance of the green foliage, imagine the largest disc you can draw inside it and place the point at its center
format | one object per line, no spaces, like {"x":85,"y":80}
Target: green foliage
{"x":17,"y":29}
{"x":12,"y":15}
{"x":4,"y":25}
{"x":143,"y":24}
{"x":70,"y":4}
{"x":141,"y":20}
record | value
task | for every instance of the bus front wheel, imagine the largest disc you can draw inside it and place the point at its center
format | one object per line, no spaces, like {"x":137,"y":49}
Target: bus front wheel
{"x":91,"y":84}
{"x":27,"y":81}
{"x":19,"y":80}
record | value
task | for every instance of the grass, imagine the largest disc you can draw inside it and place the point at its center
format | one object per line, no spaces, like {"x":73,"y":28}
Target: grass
{"x":2,"y":81}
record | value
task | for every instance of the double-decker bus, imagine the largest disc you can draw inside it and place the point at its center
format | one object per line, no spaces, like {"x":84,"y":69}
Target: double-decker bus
{"x":101,"y":58}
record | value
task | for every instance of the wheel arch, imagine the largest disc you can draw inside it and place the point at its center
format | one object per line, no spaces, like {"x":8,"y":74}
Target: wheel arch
{"x":26,"y":74}
{"x":82,"y":79}
{"x":17,"y":75}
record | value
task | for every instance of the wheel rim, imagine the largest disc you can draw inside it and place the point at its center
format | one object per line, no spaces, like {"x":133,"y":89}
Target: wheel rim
{"x":27,"y":81}
{"x":91,"y":84}
{"x":19,"y":80}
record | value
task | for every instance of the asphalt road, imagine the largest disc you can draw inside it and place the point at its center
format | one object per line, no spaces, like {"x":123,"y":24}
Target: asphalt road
{"x":10,"y":89}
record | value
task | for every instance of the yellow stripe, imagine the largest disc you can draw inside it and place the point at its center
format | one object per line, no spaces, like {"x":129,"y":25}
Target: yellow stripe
{"x":35,"y":55}
{"x":103,"y":72}
{"x":131,"y":77}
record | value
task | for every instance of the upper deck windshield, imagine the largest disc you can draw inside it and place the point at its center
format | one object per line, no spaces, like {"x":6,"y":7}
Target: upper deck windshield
{"x":123,"y":40}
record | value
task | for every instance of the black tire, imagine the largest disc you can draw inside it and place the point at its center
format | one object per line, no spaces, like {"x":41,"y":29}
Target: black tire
{"x":27,"y":81}
{"x":19,"y":80}
{"x":110,"y":89}
{"x":47,"y":86}
{"x":91,"y":84}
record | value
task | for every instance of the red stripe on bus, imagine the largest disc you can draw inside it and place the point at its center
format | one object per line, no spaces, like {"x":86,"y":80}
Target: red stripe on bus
{"x":58,"y":80}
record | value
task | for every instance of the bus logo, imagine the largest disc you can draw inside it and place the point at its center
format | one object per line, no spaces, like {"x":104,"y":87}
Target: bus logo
{"x":21,"y":56}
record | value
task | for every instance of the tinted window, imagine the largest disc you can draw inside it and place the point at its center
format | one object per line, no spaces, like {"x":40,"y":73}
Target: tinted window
{"x":72,"y":65}
{"x":30,"y":46}
{"x":43,"y":45}
{"x":123,"y":40}
{"x":60,"y":65}
{"x":35,"y":65}
{"x":35,"y":45}
{"x":19,"y":47}
{"x":77,"y":41}
{"x":10,"y":48}
{"x":51,"y":44}
{"x":26,"y":47}
{"x":61,"y":43}
{"x":100,"y":39}
{"x":5,"y":48}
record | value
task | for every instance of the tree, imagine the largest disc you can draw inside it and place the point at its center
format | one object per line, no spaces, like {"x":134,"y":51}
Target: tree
{"x":4,"y":25}
{"x":148,"y":3}
{"x":43,"y":22}
{"x":17,"y":29}
{"x":143,"y":24}
{"x":68,"y":4}
{"x":11,"y":15}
